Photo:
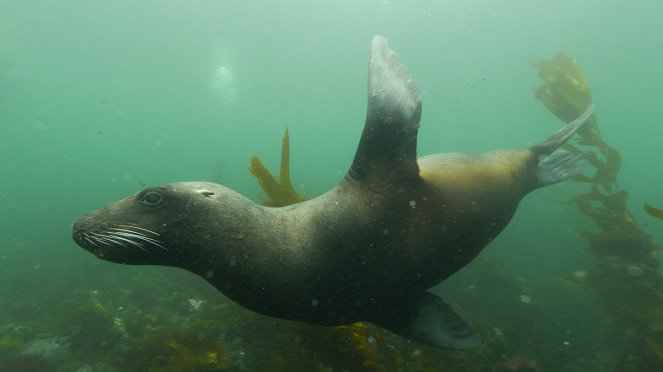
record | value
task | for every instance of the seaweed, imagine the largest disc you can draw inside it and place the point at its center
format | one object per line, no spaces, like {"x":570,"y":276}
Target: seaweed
{"x":90,"y":327}
{"x":26,"y":363}
{"x":173,"y":349}
{"x":654,"y":212}
{"x":627,"y":279}
{"x":279,"y":193}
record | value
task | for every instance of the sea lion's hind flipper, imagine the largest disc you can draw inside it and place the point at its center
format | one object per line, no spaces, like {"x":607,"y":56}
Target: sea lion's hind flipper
{"x":559,"y":166}
{"x":553,"y":142}
{"x":428,"y":320}
{"x":556,"y":165}
{"x":388,"y":145}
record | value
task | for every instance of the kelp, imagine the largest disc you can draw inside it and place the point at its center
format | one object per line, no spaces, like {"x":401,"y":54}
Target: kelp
{"x":566,"y":90}
{"x":173,"y":349}
{"x":627,"y":278}
{"x":279,"y":193}
{"x":654,"y":212}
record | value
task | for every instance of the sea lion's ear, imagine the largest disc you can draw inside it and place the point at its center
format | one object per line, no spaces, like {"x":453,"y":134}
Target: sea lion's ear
{"x":388,"y":145}
{"x":429,"y":320}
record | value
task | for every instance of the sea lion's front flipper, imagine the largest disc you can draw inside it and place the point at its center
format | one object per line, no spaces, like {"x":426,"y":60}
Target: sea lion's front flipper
{"x":429,"y":320}
{"x":388,"y":145}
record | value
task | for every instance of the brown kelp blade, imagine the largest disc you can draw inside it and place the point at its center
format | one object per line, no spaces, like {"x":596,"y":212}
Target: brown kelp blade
{"x":286,"y":183}
{"x":654,"y":212}
{"x":565,"y":91}
{"x":279,"y":193}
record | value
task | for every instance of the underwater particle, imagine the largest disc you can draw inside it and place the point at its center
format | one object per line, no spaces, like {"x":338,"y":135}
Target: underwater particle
{"x":121,"y":112}
{"x":566,"y":343}
{"x":416,"y":353}
{"x":118,"y":324}
{"x":126,"y":176}
{"x":195,"y":304}
{"x":385,"y":231}
{"x":579,"y":275}
{"x":635,"y":271}
{"x":413,"y":203}
{"x":314,"y":302}
{"x":210,"y":274}
{"x":525,"y":299}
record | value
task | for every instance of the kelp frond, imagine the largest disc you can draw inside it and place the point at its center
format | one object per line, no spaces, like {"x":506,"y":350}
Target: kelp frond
{"x":279,"y":193}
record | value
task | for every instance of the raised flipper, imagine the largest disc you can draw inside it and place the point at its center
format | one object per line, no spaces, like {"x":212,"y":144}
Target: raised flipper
{"x":429,"y":320}
{"x":388,"y":144}
{"x":557,"y":165}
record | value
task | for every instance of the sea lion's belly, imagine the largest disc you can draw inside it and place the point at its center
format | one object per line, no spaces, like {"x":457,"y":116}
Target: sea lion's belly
{"x":468,"y":200}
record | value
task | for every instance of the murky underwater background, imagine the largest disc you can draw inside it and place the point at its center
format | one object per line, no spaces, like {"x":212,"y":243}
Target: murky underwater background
{"x":99,"y":99}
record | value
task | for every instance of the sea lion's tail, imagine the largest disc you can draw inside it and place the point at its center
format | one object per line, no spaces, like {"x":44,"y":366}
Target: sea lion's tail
{"x":557,"y":165}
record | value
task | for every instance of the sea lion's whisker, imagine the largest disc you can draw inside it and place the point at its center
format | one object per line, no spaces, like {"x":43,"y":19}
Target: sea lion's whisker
{"x":129,"y":234}
{"x":87,"y":239}
{"x":124,"y":236}
{"x":112,"y":243}
{"x":138,"y":235}
{"x":140,"y":228}
{"x":108,"y":242}
{"x":153,"y":242}
{"x":124,"y":230}
{"x":113,"y":240}
{"x":102,"y":240}
{"x":135,"y":244}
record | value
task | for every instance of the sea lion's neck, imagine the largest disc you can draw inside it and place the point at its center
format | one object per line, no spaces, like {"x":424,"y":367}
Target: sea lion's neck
{"x":253,"y":246}
{"x":226,"y":233}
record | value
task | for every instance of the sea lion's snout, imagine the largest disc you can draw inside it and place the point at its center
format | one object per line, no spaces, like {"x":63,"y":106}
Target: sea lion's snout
{"x":120,"y":242}
{"x":79,"y":230}
{"x":77,"y":234}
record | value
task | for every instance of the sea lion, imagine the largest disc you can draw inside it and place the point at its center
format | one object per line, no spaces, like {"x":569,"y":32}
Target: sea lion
{"x":368,"y":249}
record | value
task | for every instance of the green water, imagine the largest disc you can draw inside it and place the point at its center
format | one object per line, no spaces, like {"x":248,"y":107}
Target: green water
{"x":99,"y":99}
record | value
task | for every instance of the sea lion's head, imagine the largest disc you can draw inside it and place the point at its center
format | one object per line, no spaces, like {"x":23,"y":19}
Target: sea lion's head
{"x":159,"y":225}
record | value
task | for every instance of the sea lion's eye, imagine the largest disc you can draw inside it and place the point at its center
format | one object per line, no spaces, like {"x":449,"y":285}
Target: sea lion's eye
{"x":152,"y":199}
